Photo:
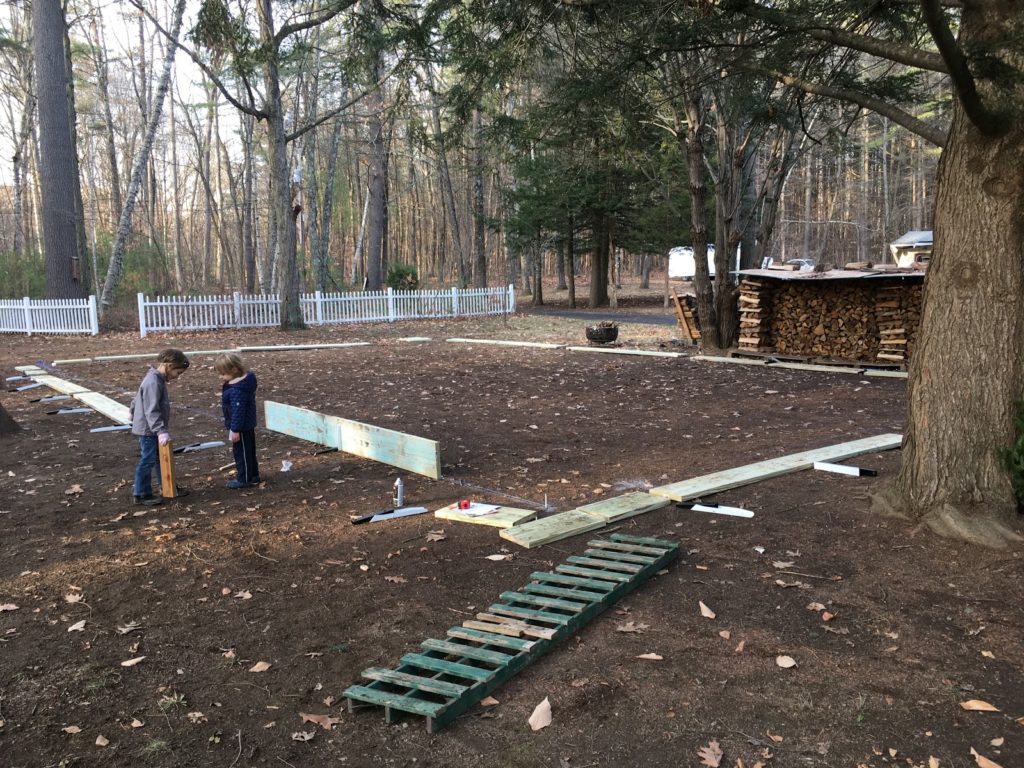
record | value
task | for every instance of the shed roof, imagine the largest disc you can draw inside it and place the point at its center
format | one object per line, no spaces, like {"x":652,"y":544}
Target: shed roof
{"x":835,"y":274}
{"x":915,"y":238}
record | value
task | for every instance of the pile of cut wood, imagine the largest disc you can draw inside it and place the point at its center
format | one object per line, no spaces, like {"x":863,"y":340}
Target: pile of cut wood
{"x":898,"y":315}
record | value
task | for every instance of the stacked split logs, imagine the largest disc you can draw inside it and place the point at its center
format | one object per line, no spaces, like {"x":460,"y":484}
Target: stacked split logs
{"x":898,"y":315}
{"x":855,"y":320}
{"x":755,"y":313}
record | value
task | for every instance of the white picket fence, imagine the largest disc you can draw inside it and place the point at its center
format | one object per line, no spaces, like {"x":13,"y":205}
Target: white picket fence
{"x":195,"y":313}
{"x":49,"y":316}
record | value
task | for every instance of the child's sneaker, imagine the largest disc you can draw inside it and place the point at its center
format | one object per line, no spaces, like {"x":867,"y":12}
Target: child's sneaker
{"x":147,"y":501}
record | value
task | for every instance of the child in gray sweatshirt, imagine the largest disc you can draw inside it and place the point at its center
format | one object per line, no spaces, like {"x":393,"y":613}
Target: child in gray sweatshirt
{"x":151,"y":416}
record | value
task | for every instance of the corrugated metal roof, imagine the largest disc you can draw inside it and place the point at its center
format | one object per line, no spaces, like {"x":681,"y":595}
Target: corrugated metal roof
{"x":913,"y":238}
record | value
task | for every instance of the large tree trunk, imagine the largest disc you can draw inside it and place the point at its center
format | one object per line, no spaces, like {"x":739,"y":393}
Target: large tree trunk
{"x":8,"y":426}
{"x":967,"y":371}
{"x":59,"y":163}
{"x":445,"y":179}
{"x":479,"y":253}
{"x":377,"y":191}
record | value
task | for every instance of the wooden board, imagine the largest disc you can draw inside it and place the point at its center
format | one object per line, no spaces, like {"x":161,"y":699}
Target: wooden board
{"x":885,"y":374}
{"x":552,"y":528}
{"x":140,"y":356}
{"x":168,"y":487}
{"x":621,"y":507}
{"x":736,"y":360}
{"x":415,"y":339}
{"x":60,"y":385}
{"x":818,"y":368}
{"x":762,"y":470}
{"x":502,"y":517}
{"x":286,"y":347}
{"x":535,"y":344}
{"x":415,"y":454}
{"x":73,"y":360}
{"x":638,"y":352}
{"x":110,"y":408}
{"x":29,"y":370}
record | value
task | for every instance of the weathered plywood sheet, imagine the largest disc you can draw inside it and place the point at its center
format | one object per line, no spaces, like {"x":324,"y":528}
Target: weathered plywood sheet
{"x":415,"y":454}
{"x":638,"y":352}
{"x":621,"y":507}
{"x":60,"y":385}
{"x":502,"y":517}
{"x":762,"y":470}
{"x":110,"y":408}
{"x":499,"y":342}
{"x":553,"y":528}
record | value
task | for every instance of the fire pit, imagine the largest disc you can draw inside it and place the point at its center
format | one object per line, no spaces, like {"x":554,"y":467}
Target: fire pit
{"x":603,"y":333}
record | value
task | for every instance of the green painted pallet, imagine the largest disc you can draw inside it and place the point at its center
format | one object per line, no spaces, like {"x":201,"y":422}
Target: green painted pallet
{"x":447,"y":677}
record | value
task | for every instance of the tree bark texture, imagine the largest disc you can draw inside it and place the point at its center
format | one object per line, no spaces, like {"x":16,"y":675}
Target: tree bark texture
{"x":59,"y":163}
{"x":967,"y":373}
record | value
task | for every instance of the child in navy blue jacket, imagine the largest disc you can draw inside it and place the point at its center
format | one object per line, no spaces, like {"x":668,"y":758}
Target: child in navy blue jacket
{"x":238,"y":401}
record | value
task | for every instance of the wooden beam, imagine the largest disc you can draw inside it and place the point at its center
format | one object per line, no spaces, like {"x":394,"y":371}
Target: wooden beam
{"x":415,"y":454}
{"x":762,"y":470}
{"x":168,"y":488}
{"x":502,"y":517}
{"x":621,"y":507}
{"x":110,"y":408}
{"x":60,"y":385}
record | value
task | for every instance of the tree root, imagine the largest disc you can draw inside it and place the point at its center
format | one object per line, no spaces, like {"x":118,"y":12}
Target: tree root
{"x":983,"y":528}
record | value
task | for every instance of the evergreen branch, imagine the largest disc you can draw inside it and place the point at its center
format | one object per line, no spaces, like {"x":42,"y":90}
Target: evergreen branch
{"x":315,"y":21}
{"x":990,"y":123}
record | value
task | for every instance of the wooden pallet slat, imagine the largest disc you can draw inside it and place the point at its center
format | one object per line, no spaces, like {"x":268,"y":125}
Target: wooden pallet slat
{"x":573,"y":593}
{"x":427,"y":684}
{"x":463,"y":651}
{"x":611,"y":565}
{"x":452,"y":668}
{"x":574,"y":581}
{"x":521,"y":612}
{"x":491,"y":638}
{"x":592,"y":573}
{"x":621,"y":557}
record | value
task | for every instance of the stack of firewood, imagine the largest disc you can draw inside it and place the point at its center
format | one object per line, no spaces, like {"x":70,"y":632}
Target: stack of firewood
{"x":832,"y":320}
{"x":755,"y":315}
{"x":898,"y":314}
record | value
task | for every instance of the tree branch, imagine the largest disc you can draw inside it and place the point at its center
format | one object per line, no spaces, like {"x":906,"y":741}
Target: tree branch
{"x":315,"y":21}
{"x":884,"y":49}
{"x":985,"y":120}
{"x":259,"y":114}
{"x":875,"y":104}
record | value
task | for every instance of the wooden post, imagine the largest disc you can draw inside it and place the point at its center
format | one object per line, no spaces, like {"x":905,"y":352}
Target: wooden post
{"x":168,"y":488}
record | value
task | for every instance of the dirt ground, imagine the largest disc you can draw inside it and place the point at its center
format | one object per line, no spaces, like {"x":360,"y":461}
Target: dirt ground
{"x":205,"y":588}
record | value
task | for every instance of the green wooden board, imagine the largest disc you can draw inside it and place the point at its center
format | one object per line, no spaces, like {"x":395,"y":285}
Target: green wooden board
{"x":422,"y":661}
{"x":611,"y":565}
{"x":568,"y":593}
{"x":552,"y":528}
{"x":394,"y":700}
{"x":462,"y":651}
{"x":502,"y":517}
{"x":428,"y":684}
{"x":706,"y":485}
{"x":533,"y":614}
{"x":623,"y":557}
{"x":415,"y":454}
{"x":109,"y":407}
{"x":572,"y":581}
{"x":621,"y":546}
{"x":620,"y":507}
{"x":592,"y":573}
{"x":491,"y":638}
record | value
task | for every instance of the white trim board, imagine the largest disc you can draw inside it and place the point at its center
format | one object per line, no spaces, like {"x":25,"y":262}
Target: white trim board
{"x":500,"y":342}
{"x":639,"y":352}
{"x":706,"y":485}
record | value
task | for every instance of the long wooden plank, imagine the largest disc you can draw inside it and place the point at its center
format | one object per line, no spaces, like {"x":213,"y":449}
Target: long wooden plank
{"x":623,"y":557}
{"x":519,"y":612}
{"x":515,"y":627}
{"x":168,"y":487}
{"x":491,"y":638}
{"x":393,"y":701}
{"x":409,"y":452}
{"x":60,"y":385}
{"x":502,"y":517}
{"x":572,"y":581}
{"x":622,"y":546}
{"x":567,"y":593}
{"x":109,"y":407}
{"x":552,"y":528}
{"x":619,"y":351}
{"x":621,"y":507}
{"x":592,"y":573}
{"x":543,"y":602}
{"x":706,"y":485}
{"x":503,"y":343}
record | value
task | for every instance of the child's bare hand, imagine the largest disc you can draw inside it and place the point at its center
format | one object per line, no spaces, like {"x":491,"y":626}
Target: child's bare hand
{"x":234,"y":437}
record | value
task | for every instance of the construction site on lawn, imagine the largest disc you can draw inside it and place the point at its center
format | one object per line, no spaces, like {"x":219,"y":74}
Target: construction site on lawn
{"x":487,"y":542}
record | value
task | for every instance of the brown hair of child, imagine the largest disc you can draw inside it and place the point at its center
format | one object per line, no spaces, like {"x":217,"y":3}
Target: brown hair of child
{"x":173,"y":358}
{"x":230,"y":364}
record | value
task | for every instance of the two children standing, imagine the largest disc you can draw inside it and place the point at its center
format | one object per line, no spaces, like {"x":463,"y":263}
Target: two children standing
{"x":151,"y":416}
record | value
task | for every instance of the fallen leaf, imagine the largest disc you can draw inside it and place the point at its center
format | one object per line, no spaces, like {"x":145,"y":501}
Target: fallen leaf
{"x":490,"y":701}
{"x":271,"y":724}
{"x":984,"y":762}
{"x":725,"y":634}
{"x":933,"y":762}
{"x":783,"y":565}
{"x":632,"y":626}
{"x":303,"y":735}
{"x":243,"y":594}
{"x":225,"y":591}
{"x":775,"y":737}
{"x":136,"y":723}
{"x":498,"y":557}
{"x":8,"y":607}
{"x":650,"y":657}
{"x":324,"y":721}
{"x":229,"y":653}
{"x":132,"y":662}
{"x":328,"y":701}
{"x":436,"y":536}
{"x":74,"y":489}
{"x":260,"y":666}
{"x":102,"y":741}
{"x":196,"y":717}
{"x":711,"y":755}
{"x":739,"y":648}
{"x":72,"y":729}
{"x":997,"y":742}
{"x":815,"y":607}
{"x":826,"y":616}
{"x":395,"y":579}
{"x":706,"y":612}
{"x":78,"y":626}
{"x":786,"y":662}
{"x":977,"y":705}
{"x":988,"y":654}
{"x":131,"y":626}
{"x":541,"y":717}
{"x":73,"y":597}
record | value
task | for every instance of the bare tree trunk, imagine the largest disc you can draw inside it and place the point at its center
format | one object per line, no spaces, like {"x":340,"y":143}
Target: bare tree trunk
{"x":179,"y":270}
{"x":248,"y":247}
{"x":102,"y":86}
{"x":116,"y":266}
{"x":445,"y":179}
{"x":479,"y":252}
{"x":59,"y":163}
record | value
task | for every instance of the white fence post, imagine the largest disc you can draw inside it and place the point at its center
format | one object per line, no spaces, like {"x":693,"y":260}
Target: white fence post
{"x":94,"y":321}
{"x":455,"y":301}
{"x":142,"y":316}
{"x":28,"y":315}
{"x":238,"y":310}
{"x":319,"y":297}
{"x":511,"y":298}
{"x":392,"y":314}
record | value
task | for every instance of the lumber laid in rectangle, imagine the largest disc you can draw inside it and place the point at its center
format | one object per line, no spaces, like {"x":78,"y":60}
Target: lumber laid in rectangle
{"x":706,"y":485}
{"x":289,"y":347}
{"x":736,"y":360}
{"x":621,"y":507}
{"x":415,"y":454}
{"x":552,"y":528}
{"x":73,"y":360}
{"x":819,"y":368}
{"x":136,"y":356}
{"x":60,"y":385}
{"x":109,"y":407}
{"x":503,"y":343}
{"x":502,"y":517}
{"x":638,"y":352}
